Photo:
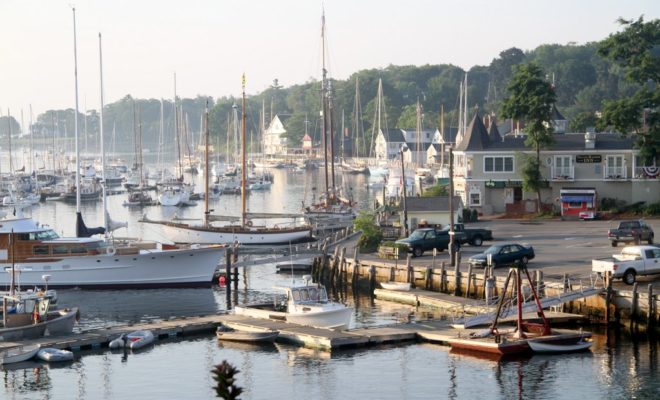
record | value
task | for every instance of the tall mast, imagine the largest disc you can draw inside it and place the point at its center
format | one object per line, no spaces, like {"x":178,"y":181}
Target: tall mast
{"x":418,"y":126}
{"x":206,"y":164}
{"x":323,"y":104}
{"x":243,"y":163}
{"x":176,"y":134}
{"x":105,"y":205}
{"x":75,"y":117}
{"x":442,"y":135}
{"x":465,"y":105}
{"x":32,"y":168}
{"x":11,"y":162}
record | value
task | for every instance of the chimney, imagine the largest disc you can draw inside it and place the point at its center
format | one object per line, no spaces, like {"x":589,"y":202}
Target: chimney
{"x":590,"y":140}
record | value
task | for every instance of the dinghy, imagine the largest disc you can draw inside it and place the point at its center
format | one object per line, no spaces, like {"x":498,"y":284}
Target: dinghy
{"x":235,"y":335}
{"x":18,"y":354}
{"x":400,"y":286}
{"x":550,"y":348}
{"x":50,"y":354}
{"x":134,"y":340}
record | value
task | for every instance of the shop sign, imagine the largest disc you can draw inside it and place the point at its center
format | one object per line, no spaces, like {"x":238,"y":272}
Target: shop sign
{"x":588,"y":158}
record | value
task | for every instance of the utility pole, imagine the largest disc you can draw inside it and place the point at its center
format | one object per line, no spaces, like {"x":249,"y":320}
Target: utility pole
{"x":452,"y":247}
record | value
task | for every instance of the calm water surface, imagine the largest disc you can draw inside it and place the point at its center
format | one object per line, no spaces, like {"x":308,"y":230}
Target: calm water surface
{"x":180,"y":369}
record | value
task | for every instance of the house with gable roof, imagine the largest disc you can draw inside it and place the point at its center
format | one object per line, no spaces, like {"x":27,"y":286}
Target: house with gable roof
{"x":275,"y":141}
{"x":487,"y":169}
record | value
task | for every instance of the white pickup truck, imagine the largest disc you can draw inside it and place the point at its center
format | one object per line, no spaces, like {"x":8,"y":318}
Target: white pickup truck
{"x":633,"y":261}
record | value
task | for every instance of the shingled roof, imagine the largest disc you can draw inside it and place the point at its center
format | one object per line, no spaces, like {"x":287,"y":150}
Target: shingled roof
{"x":476,"y":137}
{"x":493,"y":132}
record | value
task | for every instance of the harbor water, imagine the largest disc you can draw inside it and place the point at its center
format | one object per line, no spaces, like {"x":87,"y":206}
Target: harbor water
{"x":617,"y":367}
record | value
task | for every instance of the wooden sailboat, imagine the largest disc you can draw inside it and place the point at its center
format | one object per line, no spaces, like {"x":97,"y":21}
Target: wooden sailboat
{"x":332,"y":207}
{"x":244,"y":232}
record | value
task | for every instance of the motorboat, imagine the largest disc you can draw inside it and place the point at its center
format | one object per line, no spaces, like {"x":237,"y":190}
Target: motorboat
{"x":134,"y":340}
{"x":93,"y":262}
{"x":18,"y":354}
{"x":245,"y":334}
{"x":399,"y":286}
{"x":538,"y":346}
{"x":304,"y":304}
{"x":50,"y":354}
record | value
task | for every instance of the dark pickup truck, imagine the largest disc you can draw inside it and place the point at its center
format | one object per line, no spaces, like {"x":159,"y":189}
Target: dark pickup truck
{"x":473,"y":236}
{"x":424,"y":239}
{"x":631,"y":231}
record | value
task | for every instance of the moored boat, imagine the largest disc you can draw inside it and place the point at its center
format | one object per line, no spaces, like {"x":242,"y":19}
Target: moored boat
{"x":18,"y":354}
{"x":238,"y":335}
{"x":50,"y":354}
{"x":134,"y":340}
{"x":557,"y":348}
{"x":400,"y":286}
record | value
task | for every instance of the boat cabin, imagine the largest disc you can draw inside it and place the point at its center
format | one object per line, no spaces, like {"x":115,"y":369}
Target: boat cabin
{"x":32,"y":242}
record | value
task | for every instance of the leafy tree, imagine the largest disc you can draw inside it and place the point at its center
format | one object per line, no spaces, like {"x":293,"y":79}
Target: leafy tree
{"x":5,"y":123}
{"x":437,"y":190}
{"x":501,"y":70}
{"x":635,"y":49}
{"x":531,"y":98}
{"x":583,"y":121}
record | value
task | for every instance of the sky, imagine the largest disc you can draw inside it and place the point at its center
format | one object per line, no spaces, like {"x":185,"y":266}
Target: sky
{"x":209,"y":44}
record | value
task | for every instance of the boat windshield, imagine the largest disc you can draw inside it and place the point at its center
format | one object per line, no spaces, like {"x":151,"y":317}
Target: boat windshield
{"x":43,"y":235}
{"x":308,"y":294}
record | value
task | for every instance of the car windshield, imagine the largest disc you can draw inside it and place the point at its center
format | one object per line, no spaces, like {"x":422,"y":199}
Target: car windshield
{"x":492,"y":250}
{"x":417,"y":235}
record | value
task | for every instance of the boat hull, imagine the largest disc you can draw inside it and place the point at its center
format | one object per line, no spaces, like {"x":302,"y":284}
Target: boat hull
{"x":250,"y":337}
{"x":148,"y":269}
{"x":18,"y":354}
{"x":183,"y":234}
{"x":334,"y":318}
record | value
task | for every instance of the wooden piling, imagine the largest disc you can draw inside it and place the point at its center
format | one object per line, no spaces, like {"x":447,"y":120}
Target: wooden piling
{"x":428,"y":284}
{"x":469,"y":281}
{"x":650,"y":314}
{"x":608,"y":298}
{"x":443,"y":277}
{"x":409,"y":269}
{"x":228,"y":276}
{"x":372,"y":277}
{"x":540,"y":286}
{"x":633,"y":306}
{"x":457,"y":279}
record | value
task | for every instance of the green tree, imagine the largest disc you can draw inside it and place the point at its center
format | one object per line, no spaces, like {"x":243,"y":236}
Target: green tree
{"x":583,"y":121}
{"x":635,"y":49}
{"x":437,"y":190}
{"x":531,"y":98}
{"x":371,"y":234}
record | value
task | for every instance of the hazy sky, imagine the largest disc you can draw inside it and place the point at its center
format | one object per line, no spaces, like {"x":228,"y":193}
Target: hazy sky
{"x":210,"y":43}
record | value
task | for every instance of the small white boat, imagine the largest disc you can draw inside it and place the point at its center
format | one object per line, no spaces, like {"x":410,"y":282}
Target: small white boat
{"x":134,"y":340}
{"x":235,"y":335}
{"x":546,"y":347}
{"x":18,"y":354}
{"x":50,"y":354}
{"x":400,"y":286}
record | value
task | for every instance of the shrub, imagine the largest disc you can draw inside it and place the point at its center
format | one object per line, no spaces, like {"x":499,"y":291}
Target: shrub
{"x":371,"y":234}
{"x":652,"y":209}
{"x":474,"y":215}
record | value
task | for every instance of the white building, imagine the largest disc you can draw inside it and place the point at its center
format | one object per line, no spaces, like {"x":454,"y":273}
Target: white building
{"x":275,"y":143}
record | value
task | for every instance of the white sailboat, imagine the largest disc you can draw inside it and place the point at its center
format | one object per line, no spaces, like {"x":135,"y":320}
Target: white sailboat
{"x":244,"y":232}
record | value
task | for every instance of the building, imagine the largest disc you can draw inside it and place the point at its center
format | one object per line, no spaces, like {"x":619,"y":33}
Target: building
{"x":388,"y":143}
{"x":432,"y":210}
{"x":487,"y":171}
{"x":275,"y":141}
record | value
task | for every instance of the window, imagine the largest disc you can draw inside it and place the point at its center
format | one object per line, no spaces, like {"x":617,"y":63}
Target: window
{"x":60,"y":250}
{"x":430,"y":235}
{"x":498,"y":164}
{"x":475,"y":198}
{"x":574,"y":204}
{"x":40,"y":250}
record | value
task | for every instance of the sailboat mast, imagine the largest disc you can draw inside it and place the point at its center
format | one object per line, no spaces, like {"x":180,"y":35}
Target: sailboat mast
{"x":105,"y":205}
{"x":465,"y":105}
{"x":243,"y":163}
{"x":206,"y":164}
{"x":323,"y":104}
{"x":75,"y":117}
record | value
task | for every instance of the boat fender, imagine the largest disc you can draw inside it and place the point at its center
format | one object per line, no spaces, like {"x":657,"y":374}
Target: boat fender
{"x":110,"y":251}
{"x":249,"y":223}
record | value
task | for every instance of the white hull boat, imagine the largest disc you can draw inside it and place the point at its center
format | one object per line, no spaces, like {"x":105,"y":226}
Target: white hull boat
{"x":305,"y":304}
{"x":18,"y":354}
{"x":184,"y":233}
{"x":400,"y":286}
{"x":558,"y":348}
{"x":50,"y":354}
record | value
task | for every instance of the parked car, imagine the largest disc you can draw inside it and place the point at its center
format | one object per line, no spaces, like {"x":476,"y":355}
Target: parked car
{"x":473,"y":236}
{"x":633,"y":261}
{"x":424,"y":239}
{"x":631,"y":231}
{"x":503,"y":254}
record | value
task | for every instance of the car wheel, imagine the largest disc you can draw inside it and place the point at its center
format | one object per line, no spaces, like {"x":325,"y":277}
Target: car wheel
{"x":614,"y":243}
{"x":417,"y":252}
{"x":524,"y":260}
{"x":477,"y":241}
{"x":629,"y":277}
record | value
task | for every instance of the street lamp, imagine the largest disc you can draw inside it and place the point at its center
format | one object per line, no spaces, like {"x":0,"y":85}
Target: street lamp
{"x":403,"y":182}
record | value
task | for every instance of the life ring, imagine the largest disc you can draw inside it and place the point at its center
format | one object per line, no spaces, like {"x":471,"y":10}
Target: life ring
{"x":110,"y":251}
{"x":249,"y":223}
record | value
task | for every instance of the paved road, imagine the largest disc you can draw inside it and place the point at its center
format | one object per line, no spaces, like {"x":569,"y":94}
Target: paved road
{"x":560,"y":246}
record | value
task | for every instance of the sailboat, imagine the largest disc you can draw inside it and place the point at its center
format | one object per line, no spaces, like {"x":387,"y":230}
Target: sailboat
{"x":332,"y":207}
{"x":100,"y":262}
{"x":244,"y":232}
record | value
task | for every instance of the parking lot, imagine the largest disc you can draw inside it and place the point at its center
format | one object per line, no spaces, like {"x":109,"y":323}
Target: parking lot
{"x":560,"y":246}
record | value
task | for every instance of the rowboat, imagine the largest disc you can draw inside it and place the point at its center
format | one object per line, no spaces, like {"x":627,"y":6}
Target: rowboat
{"x":400,"y":286}
{"x":545,"y":347}
{"x":50,"y":354}
{"x":18,"y":354}
{"x":236,"y":335}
